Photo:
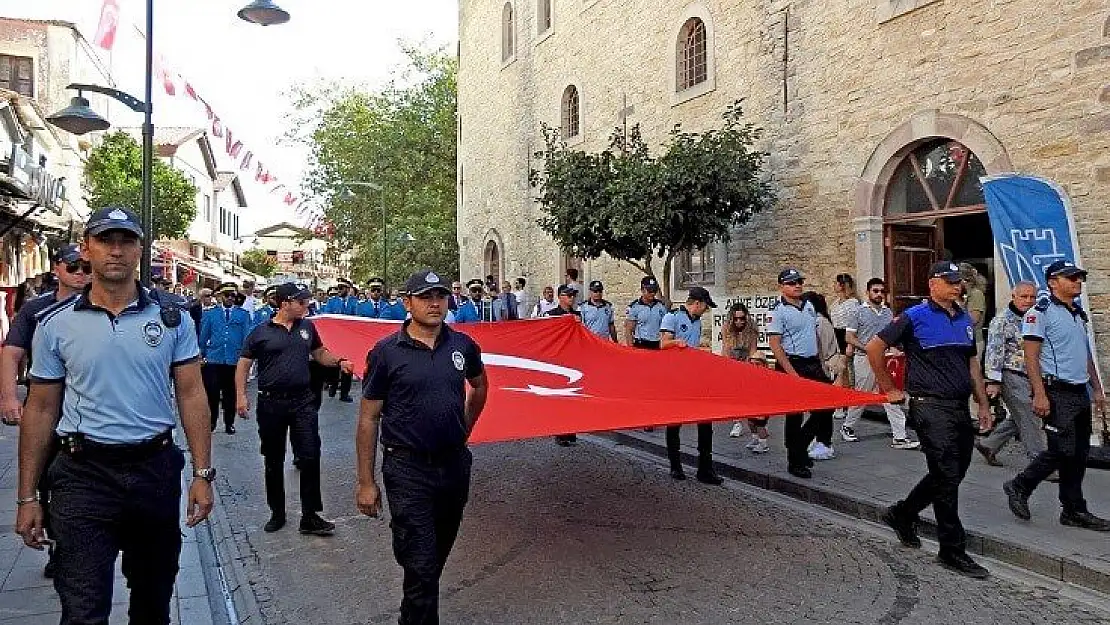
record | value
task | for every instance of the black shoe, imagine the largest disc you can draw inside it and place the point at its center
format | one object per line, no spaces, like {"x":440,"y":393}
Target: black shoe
{"x":1053,"y":477}
{"x":297,"y":463}
{"x":314,"y":525}
{"x":331,"y":392}
{"x":988,"y":455}
{"x":1084,"y":520}
{"x":50,"y":568}
{"x":230,"y":429}
{"x":1019,"y":501}
{"x":709,"y":477}
{"x":275,"y":523}
{"x":346,"y":399}
{"x":962,"y":564}
{"x":906,"y":529}
{"x":678,"y":474}
{"x":802,"y":472}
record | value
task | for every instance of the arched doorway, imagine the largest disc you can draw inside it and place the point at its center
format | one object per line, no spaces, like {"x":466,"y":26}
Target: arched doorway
{"x":934,"y":210}
{"x":491,"y":261}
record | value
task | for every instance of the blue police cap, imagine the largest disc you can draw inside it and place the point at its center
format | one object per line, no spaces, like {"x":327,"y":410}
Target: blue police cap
{"x":113,"y":218}
{"x":597,"y":286}
{"x":649,"y":283}
{"x":790,"y":274}
{"x":426,"y":280}
{"x":947,"y":271}
{"x":292,"y":291}
{"x":67,"y":254}
{"x":1063,"y":268}
{"x":566,"y":289}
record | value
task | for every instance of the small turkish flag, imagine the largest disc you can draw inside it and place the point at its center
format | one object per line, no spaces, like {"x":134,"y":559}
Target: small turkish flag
{"x":109,"y":21}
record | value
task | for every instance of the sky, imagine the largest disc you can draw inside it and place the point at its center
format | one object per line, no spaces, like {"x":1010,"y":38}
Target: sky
{"x":245,"y":71}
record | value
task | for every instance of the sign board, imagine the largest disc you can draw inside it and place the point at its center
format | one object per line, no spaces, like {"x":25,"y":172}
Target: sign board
{"x":34,"y":183}
{"x":759,"y":307}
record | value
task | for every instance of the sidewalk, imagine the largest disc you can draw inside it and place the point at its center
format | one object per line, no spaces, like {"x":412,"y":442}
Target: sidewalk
{"x":27,"y":598}
{"x":867,"y":476}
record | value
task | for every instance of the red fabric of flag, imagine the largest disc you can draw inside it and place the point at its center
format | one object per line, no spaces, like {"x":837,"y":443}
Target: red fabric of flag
{"x":109,"y":21}
{"x":552,"y":376}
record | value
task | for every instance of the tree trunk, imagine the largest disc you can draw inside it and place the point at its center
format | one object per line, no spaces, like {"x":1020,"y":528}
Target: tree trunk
{"x":668,"y":269}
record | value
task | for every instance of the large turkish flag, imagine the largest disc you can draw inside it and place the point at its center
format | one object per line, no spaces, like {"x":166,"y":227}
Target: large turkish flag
{"x":552,"y":376}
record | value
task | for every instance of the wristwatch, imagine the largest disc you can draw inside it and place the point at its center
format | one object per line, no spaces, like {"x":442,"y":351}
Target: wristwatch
{"x":208,"y":475}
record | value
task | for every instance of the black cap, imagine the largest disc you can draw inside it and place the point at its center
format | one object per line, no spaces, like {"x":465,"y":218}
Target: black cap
{"x":947,"y":271}
{"x":270,"y":290}
{"x":790,"y":274}
{"x":332,"y":290}
{"x":566,"y":289}
{"x":67,"y":254}
{"x":596,"y":286}
{"x":699,"y":294}
{"x":476,"y":282}
{"x":426,"y":280}
{"x":227,"y":287}
{"x":291,"y":291}
{"x":372,"y":282}
{"x":1064,"y":268}
{"x":113,"y":218}
{"x":649,"y":283}
{"x":344,"y":282}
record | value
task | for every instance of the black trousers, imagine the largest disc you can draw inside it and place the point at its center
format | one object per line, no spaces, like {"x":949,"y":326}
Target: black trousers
{"x":426,"y":502}
{"x":318,"y":377}
{"x":340,"y":381}
{"x":947,"y":436}
{"x":295,"y":416}
{"x":1068,"y":430}
{"x":705,"y":447}
{"x":219,"y":384}
{"x":799,"y":432}
{"x":101,"y":507}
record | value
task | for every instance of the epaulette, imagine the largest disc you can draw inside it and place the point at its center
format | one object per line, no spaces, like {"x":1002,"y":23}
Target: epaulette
{"x":633,"y":302}
{"x":55,"y":308}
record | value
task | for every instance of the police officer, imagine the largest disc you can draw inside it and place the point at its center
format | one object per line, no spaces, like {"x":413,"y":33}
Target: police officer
{"x":682,"y":328}
{"x":473,"y":308}
{"x":266,"y":311}
{"x":117,"y":479}
{"x":1058,"y":360}
{"x":792,"y":336}
{"x":566,"y":296}
{"x":942,"y":372}
{"x":375,"y":304}
{"x":285,"y":403}
{"x":643,"y":316}
{"x":336,"y":298}
{"x":223,"y":328}
{"x":597,"y":313}
{"x":416,"y":390}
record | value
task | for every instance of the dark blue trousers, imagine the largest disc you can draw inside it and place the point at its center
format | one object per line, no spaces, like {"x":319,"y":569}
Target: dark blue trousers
{"x":103,"y":506}
{"x":426,"y":502}
{"x":1068,"y":430}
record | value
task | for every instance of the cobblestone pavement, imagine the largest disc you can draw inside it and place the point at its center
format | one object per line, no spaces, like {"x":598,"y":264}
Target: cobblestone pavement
{"x":586,"y":535}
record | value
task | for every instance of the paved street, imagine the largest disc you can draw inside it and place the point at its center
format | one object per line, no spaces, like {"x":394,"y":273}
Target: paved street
{"x":587,"y":535}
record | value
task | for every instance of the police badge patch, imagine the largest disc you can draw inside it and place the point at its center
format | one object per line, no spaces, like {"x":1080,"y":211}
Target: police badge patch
{"x":304,"y":334}
{"x":153,"y":333}
{"x":459,"y":360}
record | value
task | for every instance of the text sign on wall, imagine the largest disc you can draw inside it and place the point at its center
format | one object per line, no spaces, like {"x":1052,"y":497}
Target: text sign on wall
{"x":759,"y":307}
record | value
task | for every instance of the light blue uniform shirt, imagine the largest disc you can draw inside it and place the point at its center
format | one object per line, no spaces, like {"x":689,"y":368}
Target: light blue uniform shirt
{"x":222,"y":333}
{"x":797,"y":326}
{"x":597,"y":318}
{"x":647,"y":318}
{"x":116,"y":371}
{"x":1063,"y":337}
{"x":261,"y":315}
{"x":679,"y":323}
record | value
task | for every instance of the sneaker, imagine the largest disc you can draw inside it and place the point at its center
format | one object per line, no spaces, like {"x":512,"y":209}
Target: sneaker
{"x":1018,"y":500}
{"x":962,"y":564}
{"x":905,"y":443}
{"x":678,"y":474}
{"x":737,"y":430}
{"x":988,"y":454}
{"x":1084,"y":520}
{"x":802,"y":472}
{"x":760,"y":447}
{"x":840,"y":413}
{"x":848,"y":434}
{"x":709,"y":477}
{"x":275,"y":523}
{"x":314,"y":525}
{"x":906,"y":529}
{"x":752,"y":443}
{"x":821,"y":452}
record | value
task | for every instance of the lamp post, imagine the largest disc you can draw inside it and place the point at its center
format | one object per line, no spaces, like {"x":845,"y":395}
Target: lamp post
{"x":348,"y":193}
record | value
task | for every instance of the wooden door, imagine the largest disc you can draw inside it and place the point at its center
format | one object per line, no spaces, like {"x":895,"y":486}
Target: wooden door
{"x":910,"y":252}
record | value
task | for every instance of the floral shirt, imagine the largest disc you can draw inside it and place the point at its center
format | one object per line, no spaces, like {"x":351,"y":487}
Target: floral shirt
{"x":1005,"y":349}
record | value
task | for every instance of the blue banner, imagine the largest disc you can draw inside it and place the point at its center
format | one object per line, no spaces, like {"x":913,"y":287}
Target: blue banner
{"x":1032,"y":225}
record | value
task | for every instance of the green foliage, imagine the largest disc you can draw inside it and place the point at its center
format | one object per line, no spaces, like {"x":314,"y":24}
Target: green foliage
{"x":635,"y":207}
{"x":401,"y":138}
{"x":258,"y":262}
{"x":113,"y":177}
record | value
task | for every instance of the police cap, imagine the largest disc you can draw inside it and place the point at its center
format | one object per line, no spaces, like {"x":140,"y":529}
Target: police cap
{"x":700,"y":294}
{"x":1063,"y":268}
{"x":475,"y":282}
{"x":375,"y":282}
{"x":344,"y":282}
{"x":790,"y":274}
{"x":566,"y":289}
{"x":424,"y":281}
{"x":649,"y":283}
{"x":227,"y":287}
{"x":291,"y":291}
{"x":947,"y":271}
{"x":596,"y":286}
{"x":67,"y":254}
{"x":113,"y":218}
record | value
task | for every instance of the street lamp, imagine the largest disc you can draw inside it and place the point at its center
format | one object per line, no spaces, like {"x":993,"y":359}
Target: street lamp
{"x":263,"y":13}
{"x":348,"y":194}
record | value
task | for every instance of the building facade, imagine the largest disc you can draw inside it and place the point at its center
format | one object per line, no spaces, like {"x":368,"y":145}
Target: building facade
{"x":879,"y":117}
{"x":302,"y":256}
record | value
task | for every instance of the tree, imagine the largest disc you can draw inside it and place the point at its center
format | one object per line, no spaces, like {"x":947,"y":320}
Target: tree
{"x":113,"y":177}
{"x":259,"y":263}
{"x":401,"y":138}
{"x":634,"y":207}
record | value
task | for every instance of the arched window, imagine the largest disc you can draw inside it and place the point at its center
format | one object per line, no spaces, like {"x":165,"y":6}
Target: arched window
{"x":571,"y":113}
{"x":693,"y":60}
{"x":491,"y":260}
{"x":939,"y":175}
{"x":543,"y":16}
{"x":508,"y":32}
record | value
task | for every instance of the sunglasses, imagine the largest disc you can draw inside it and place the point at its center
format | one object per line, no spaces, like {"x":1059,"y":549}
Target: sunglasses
{"x":375,"y":289}
{"x":794,"y":283}
{"x":79,"y":266}
{"x":476,"y":289}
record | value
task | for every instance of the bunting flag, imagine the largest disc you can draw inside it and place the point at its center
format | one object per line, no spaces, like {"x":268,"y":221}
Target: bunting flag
{"x":106,"y":29}
{"x":552,"y":376}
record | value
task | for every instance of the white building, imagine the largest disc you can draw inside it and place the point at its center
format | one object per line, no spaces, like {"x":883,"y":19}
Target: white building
{"x":302,"y":256}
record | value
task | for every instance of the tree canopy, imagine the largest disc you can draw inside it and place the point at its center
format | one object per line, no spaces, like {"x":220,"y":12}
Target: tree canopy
{"x":258,"y":262}
{"x":113,"y":177}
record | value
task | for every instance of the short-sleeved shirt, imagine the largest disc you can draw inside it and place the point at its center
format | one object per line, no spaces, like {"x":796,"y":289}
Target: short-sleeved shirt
{"x":282,"y":354}
{"x":423,"y":390}
{"x":597,"y":318}
{"x":866,"y":321}
{"x":1062,"y":333}
{"x":682,"y":326}
{"x":116,"y":369}
{"x":648,"y":318}
{"x":843,"y":312}
{"x":796,"y":325}
{"x":977,"y":301}
{"x":938,"y":347}
{"x":22,"y":330}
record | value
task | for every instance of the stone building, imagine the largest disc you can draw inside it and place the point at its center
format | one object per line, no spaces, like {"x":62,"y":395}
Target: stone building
{"x":879,"y":117}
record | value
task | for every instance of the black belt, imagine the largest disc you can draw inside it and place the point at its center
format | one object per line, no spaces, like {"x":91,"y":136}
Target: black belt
{"x":950,"y":402}
{"x":1056,"y":383}
{"x":78,"y":446}
{"x":645,"y":344}
{"x":1016,"y":372}
{"x":442,"y":456}
{"x":283,"y":394}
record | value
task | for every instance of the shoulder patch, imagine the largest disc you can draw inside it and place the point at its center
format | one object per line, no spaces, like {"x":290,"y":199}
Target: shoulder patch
{"x":1043,"y":304}
{"x":775,"y":304}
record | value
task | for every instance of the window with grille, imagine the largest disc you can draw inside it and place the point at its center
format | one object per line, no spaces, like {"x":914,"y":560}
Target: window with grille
{"x":571,"y":117}
{"x":697,"y":266}
{"x":693,"y":62}
{"x":17,"y":74}
{"x":508,"y":32}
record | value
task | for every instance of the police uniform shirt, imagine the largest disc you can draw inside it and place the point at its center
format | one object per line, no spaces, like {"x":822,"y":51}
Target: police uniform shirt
{"x":282,"y":354}
{"x":116,"y":369}
{"x":423,"y":390}
{"x":797,"y":327}
{"x":222,"y":332}
{"x":866,"y":322}
{"x":938,"y":348}
{"x":22,"y":330}
{"x":371,"y":308}
{"x":682,"y":326}
{"x":597,"y":317}
{"x":1063,"y":337}
{"x":648,"y":317}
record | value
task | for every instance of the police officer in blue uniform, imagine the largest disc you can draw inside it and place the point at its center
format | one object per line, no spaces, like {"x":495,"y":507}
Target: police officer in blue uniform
{"x":942,"y":372}
{"x":597,"y":313}
{"x":375,"y":303}
{"x":643,"y":316}
{"x":334,"y":305}
{"x":223,"y":328}
{"x":471,"y":310}
{"x":682,"y":328}
{"x":1060,"y":367}
{"x":265,"y":312}
{"x":416,"y":391}
{"x":117,"y":479}
{"x":566,"y":296}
